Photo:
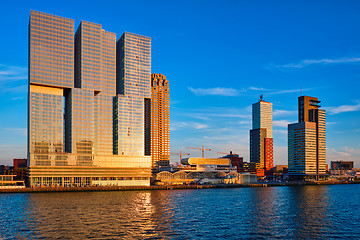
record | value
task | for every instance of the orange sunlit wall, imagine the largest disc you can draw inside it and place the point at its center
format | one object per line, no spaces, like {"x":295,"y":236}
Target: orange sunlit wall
{"x":269,"y":159}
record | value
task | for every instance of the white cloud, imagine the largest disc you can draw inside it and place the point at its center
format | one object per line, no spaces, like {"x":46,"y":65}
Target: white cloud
{"x":225,"y":137}
{"x":17,"y":98}
{"x":281,"y":123}
{"x":325,"y":61}
{"x":173,"y":102}
{"x":257,"y":89}
{"x":199,"y":125}
{"x":236,"y":92}
{"x":343,"y":108}
{"x":280,"y":131}
{"x":283,"y":113}
{"x":289,"y":91}
{"x":17,"y":89}
{"x":211,"y":113}
{"x":344,"y":153}
{"x":214,"y":91}
{"x":277,"y":91}
{"x":12,"y":73}
{"x":229,"y":115}
{"x":244,"y":122}
{"x":18,"y":131}
{"x":194,"y":125}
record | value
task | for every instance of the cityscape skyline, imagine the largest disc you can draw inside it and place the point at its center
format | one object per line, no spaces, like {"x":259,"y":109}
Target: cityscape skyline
{"x":213,"y":113}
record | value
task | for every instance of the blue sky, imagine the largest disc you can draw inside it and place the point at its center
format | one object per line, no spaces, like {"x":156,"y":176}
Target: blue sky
{"x":219,"y":56}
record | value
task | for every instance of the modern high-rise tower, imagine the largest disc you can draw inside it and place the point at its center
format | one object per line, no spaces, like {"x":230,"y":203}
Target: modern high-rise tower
{"x":133,"y":92}
{"x":160,"y":131}
{"x":86,"y":111}
{"x":307,"y":141}
{"x":261,"y":140}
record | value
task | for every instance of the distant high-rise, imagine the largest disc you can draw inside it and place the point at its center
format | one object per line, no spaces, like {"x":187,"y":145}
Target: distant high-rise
{"x":85,"y":118}
{"x":160,"y":131}
{"x":307,"y":141}
{"x":261,"y":140}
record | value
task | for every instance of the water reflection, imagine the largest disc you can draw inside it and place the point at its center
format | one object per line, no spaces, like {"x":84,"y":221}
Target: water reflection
{"x":310,"y":212}
{"x":102,"y":214}
{"x":289,"y":212}
{"x":263,"y":211}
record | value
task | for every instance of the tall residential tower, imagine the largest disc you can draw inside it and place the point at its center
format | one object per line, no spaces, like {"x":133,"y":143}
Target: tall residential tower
{"x":160,"y":131}
{"x":307,"y":141}
{"x":261,"y":139}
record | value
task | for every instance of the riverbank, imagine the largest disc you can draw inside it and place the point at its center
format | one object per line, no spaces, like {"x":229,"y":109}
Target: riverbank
{"x":169,"y":187}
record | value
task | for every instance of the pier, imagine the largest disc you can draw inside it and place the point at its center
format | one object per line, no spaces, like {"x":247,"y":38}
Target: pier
{"x":163,"y":187}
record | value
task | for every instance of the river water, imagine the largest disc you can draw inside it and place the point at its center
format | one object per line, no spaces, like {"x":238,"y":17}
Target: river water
{"x":304,"y":212}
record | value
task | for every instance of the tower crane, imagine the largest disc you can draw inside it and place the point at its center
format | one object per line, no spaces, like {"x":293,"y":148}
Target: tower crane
{"x":203,"y":149}
{"x":180,"y":154}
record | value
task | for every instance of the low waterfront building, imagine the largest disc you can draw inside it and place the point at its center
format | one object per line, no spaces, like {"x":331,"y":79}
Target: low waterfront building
{"x":205,"y":171}
{"x":236,"y":160}
{"x":183,"y":177}
{"x":19,"y":163}
{"x":281,"y":168}
{"x":208,"y":164}
{"x":7,"y":181}
{"x":342,"y":165}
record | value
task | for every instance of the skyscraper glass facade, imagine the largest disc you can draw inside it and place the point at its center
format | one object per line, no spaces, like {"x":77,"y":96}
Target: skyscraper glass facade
{"x":51,"y":69}
{"x":302,"y":148}
{"x":261,"y":141}
{"x":46,"y":128}
{"x":133,"y":88}
{"x":307,"y":141}
{"x":95,"y":59}
{"x":74,"y":110}
{"x":51,"y":50}
{"x":262,"y":117}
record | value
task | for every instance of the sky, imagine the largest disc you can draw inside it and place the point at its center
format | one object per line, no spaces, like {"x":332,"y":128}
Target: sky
{"x":218,"y":56}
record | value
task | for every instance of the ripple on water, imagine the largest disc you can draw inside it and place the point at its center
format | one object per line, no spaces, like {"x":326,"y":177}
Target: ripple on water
{"x":309,"y":212}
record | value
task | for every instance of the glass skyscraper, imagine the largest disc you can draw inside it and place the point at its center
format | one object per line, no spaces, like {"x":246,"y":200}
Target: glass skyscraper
{"x":51,"y":70}
{"x":86,"y":120}
{"x":133,"y":89}
{"x":261,"y":139}
{"x":307,"y":141}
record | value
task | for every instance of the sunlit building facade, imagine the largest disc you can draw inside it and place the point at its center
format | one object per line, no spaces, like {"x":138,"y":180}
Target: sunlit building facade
{"x":261,"y":139}
{"x":160,"y":124}
{"x":74,"y":109}
{"x":51,"y":70}
{"x":307,"y":141}
{"x":95,"y":72}
{"x":133,"y":90}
